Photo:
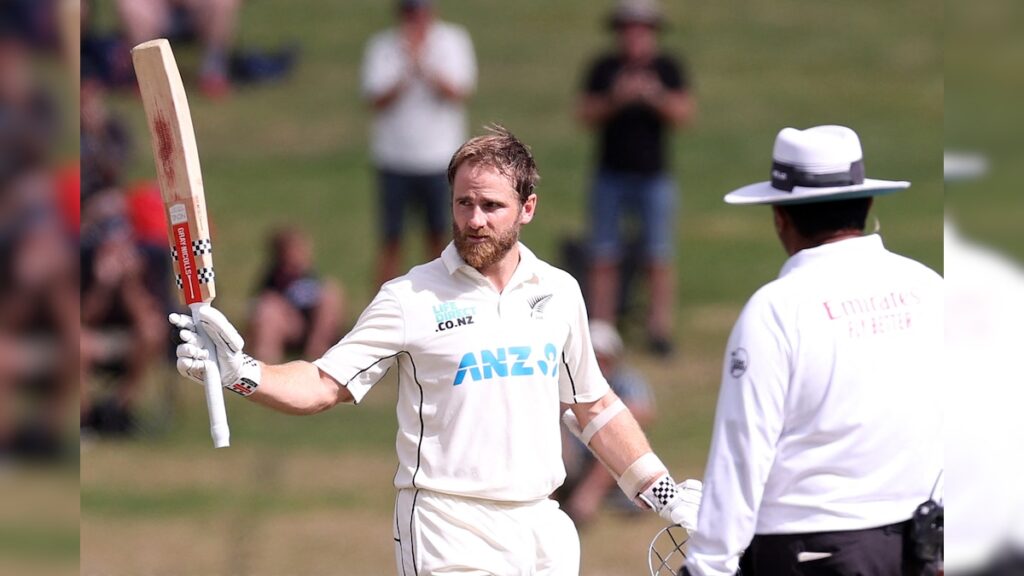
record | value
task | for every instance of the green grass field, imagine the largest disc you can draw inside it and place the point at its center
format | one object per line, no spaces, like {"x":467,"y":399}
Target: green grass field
{"x":313,"y":495}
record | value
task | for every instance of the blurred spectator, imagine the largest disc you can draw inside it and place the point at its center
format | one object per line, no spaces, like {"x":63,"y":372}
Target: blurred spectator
{"x":417,"y":77}
{"x":211,"y":21}
{"x":633,"y":96}
{"x":38,"y":307}
{"x":34,"y":20}
{"x":295,"y":311}
{"x":122,"y":321}
{"x":106,"y":56}
{"x":125,"y":280}
{"x":588,"y":483}
{"x":38,"y":319}
{"x":28,"y":115}
{"x":984,"y":313}
{"x":105,"y":141}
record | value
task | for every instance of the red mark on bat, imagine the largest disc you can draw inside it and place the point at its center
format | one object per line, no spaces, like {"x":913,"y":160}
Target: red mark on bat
{"x":165,"y":143}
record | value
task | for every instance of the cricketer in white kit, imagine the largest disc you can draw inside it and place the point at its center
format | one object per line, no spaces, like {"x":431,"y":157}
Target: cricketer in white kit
{"x":491,"y":345}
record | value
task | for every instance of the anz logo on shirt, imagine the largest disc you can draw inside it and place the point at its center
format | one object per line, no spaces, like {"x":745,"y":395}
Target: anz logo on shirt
{"x":512,"y":361}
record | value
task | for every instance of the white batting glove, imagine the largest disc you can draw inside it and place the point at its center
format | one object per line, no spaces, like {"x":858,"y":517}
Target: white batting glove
{"x":678,"y":504}
{"x":239,"y":372}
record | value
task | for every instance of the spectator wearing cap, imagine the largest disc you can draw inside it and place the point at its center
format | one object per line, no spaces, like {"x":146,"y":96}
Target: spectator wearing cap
{"x":588,"y":482}
{"x":417,"y":77}
{"x":634,"y":96}
{"x":827,"y":436}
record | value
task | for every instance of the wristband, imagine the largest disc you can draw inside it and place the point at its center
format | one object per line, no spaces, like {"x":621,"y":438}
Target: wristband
{"x":639,"y":473}
{"x":246,"y":385}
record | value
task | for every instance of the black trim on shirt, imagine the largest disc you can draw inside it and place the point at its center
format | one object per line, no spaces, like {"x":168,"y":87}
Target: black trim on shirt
{"x":569,"y":374}
{"x":398,"y":528}
{"x":419,"y":443}
{"x":412,"y":516}
{"x":415,"y":377}
{"x":375,"y":362}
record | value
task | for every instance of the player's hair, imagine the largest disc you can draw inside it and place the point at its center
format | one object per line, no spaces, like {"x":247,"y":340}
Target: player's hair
{"x":505,"y":153}
{"x":812,"y":220}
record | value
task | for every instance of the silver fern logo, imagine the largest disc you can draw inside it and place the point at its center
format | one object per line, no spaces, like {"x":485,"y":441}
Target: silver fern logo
{"x":537,"y":305}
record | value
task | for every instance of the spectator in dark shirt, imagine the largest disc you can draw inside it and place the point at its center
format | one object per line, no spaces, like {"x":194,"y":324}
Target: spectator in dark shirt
{"x":634,"y":97}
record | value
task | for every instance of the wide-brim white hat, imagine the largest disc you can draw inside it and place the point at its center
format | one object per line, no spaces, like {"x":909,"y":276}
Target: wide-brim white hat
{"x":819,"y":164}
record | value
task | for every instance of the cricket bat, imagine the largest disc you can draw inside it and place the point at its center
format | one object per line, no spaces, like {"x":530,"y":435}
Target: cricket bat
{"x":181,"y":185}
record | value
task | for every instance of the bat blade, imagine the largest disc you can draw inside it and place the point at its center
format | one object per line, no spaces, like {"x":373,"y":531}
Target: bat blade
{"x":181,"y":185}
{"x":177,"y":167}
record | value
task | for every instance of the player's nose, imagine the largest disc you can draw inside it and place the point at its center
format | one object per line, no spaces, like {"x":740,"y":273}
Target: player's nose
{"x":477,"y":218}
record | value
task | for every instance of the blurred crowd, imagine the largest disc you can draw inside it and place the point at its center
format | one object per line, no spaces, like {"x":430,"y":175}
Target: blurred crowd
{"x":38,"y":229}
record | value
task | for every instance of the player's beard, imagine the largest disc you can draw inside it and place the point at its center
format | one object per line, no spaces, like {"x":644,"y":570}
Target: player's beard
{"x":482,"y":255}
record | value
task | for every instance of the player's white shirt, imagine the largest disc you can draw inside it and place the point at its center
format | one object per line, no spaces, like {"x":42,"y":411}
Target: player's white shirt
{"x":984,"y":395}
{"x":421,"y":130}
{"x":481,"y":374}
{"x":828,"y":417}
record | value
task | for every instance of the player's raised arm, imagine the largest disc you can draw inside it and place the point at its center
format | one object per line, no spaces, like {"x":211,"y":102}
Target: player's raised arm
{"x":345,"y":373}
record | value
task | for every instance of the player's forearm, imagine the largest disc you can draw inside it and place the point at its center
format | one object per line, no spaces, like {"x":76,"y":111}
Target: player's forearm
{"x":297,"y":388}
{"x":619,"y":442}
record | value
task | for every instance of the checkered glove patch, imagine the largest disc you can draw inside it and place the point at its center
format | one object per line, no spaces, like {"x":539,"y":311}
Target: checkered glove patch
{"x":664,"y":490}
{"x":676,"y":503}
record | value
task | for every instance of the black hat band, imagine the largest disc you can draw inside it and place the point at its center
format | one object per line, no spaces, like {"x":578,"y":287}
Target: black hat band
{"x":786,"y":177}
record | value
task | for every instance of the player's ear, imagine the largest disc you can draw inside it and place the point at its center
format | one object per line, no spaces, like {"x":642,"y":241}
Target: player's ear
{"x":528,"y":208}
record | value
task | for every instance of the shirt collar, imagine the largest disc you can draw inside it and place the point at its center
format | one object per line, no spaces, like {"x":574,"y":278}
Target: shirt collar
{"x":859,"y":245}
{"x":525,"y":271}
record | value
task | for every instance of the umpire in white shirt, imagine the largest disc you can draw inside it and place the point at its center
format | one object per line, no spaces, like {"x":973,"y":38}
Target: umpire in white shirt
{"x":827,"y":433}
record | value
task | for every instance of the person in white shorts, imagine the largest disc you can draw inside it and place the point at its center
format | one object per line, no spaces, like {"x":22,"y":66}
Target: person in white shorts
{"x":490,"y":344}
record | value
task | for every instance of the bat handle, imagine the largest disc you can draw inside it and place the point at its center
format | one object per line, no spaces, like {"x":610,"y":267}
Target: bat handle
{"x":214,"y":391}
